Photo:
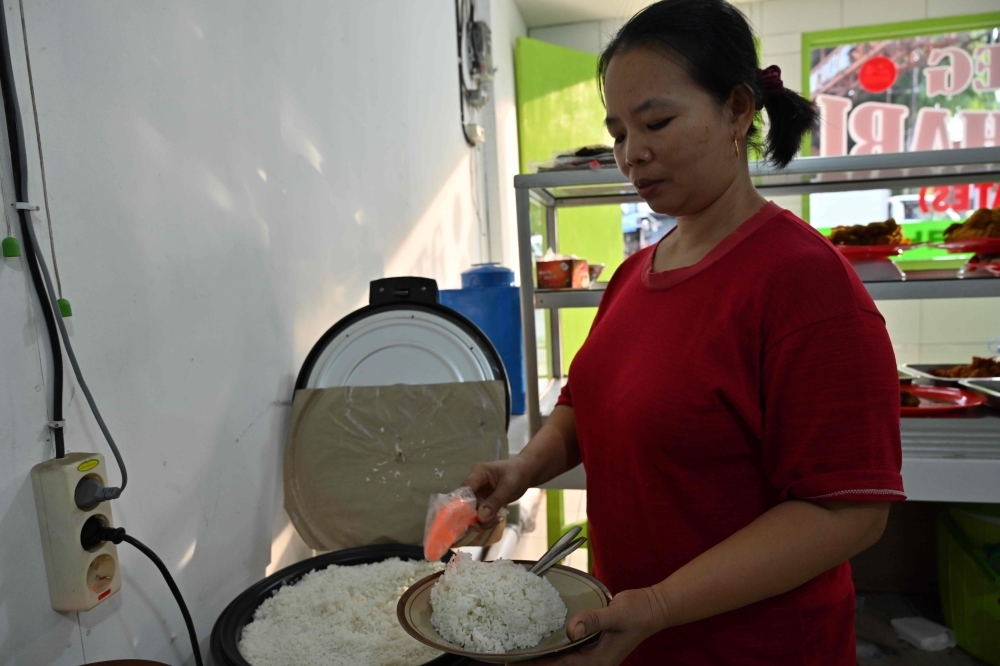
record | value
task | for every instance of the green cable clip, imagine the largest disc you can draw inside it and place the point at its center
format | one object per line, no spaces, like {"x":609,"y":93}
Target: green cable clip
{"x":65,"y":309}
{"x":11,"y":248}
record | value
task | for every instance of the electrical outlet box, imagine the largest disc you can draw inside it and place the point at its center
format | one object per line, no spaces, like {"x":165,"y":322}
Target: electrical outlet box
{"x":79,"y":579}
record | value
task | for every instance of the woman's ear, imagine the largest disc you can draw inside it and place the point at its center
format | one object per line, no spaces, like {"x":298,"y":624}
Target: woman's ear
{"x":741,"y":108}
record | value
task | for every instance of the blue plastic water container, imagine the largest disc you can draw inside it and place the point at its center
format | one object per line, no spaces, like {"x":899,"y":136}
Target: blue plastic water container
{"x":489,"y":298}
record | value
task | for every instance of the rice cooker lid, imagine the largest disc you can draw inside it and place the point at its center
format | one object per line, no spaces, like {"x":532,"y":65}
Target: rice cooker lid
{"x":404,"y":336}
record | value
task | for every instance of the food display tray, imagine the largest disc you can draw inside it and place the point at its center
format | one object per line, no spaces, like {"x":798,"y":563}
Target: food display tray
{"x":988,"y":388}
{"x":922,"y":373}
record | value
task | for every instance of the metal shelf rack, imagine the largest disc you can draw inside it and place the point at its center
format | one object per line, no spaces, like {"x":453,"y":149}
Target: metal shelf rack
{"x":561,"y":189}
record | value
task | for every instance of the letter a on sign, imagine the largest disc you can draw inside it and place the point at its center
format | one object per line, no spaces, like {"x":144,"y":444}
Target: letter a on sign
{"x":877,"y":127}
{"x":982,"y":128}
{"x":931,"y":130}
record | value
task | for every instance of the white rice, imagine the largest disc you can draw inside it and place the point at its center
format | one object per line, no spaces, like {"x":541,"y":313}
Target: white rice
{"x":338,"y":616}
{"x":494,"y":606}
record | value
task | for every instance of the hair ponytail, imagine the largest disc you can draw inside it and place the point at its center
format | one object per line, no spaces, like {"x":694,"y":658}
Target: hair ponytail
{"x":716,"y":43}
{"x":790,"y":116}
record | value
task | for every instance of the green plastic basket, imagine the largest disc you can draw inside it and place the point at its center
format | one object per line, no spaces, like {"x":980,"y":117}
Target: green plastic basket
{"x":969,"y":575}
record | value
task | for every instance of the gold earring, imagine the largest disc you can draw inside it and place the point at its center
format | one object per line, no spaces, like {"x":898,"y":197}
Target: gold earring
{"x":736,"y":144}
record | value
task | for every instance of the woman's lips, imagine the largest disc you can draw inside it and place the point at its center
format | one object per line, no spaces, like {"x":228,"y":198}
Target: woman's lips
{"x":646,"y":187}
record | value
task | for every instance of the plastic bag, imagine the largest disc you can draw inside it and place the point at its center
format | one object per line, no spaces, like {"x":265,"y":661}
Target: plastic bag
{"x":452,"y":520}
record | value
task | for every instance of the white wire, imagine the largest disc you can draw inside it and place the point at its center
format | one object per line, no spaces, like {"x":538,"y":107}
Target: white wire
{"x":41,"y":157}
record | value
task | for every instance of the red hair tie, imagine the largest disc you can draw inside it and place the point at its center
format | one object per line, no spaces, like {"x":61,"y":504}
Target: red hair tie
{"x":770,"y":83}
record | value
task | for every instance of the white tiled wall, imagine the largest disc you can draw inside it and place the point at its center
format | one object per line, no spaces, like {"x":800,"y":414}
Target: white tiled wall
{"x":590,"y":36}
{"x":942,"y":330}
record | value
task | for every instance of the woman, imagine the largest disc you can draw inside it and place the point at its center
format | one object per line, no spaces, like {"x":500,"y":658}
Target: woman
{"x":736,"y":403}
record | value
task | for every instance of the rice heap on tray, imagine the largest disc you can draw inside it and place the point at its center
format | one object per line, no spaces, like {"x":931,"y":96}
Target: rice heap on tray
{"x":338,"y":616}
{"x":494,"y":606}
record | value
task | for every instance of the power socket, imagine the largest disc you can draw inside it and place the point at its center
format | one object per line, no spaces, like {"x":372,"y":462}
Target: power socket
{"x":79,"y":579}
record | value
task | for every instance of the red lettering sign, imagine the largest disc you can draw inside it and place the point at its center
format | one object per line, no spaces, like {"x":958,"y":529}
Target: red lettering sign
{"x":958,"y":197}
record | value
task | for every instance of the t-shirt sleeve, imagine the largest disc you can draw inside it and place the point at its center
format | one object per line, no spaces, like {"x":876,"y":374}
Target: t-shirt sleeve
{"x":831,"y":412}
{"x":566,"y":395}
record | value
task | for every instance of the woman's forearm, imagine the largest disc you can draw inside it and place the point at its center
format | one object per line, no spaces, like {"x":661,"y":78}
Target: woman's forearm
{"x":554,"y":449}
{"x":785,"y":547}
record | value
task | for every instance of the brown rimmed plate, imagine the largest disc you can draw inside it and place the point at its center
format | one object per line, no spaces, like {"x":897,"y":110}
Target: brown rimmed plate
{"x":579,"y":591}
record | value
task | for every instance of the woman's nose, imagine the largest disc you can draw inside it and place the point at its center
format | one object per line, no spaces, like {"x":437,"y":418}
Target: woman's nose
{"x":637,"y":152}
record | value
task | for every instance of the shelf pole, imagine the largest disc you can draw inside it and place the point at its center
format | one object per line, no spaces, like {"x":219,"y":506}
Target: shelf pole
{"x":526,"y":266}
{"x":552,"y":231}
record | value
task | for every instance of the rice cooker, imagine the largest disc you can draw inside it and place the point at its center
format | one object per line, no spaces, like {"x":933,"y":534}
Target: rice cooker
{"x":403,"y":336}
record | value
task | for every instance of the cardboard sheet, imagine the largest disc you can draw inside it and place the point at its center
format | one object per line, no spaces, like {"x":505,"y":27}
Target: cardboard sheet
{"x":361,"y":462}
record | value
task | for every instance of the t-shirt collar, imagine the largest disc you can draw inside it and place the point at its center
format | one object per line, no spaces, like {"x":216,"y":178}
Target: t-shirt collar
{"x":667,"y":279}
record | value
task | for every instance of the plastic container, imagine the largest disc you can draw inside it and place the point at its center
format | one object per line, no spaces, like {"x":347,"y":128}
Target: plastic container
{"x":229,"y":627}
{"x":490,"y":300}
{"x":924,"y":634}
{"x":969,"y":576}
{"x":486,"y":276}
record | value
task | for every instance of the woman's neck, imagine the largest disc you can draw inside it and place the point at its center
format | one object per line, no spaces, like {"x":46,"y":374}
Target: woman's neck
{"x":698,"y":233}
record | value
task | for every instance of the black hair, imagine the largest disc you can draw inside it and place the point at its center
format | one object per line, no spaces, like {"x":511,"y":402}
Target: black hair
{"x":716,"y":43}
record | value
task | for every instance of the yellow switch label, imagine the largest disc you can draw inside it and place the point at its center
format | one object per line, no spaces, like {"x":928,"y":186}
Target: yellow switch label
{"x":88,"y":465}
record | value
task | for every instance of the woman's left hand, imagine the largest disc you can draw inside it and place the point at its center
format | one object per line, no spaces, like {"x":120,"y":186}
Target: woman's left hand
{"x":630,"y":618}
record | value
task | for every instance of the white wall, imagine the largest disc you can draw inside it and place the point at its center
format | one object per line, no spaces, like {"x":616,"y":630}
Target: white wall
{"x":931,"y":331}
{"x":224,"y":179}
{"x":507,"y":26}
{"x":591,"y":36}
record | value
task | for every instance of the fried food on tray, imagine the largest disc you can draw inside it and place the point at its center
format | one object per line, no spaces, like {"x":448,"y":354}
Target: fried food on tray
{"x":907,"y":399}
{"x":876,"y":233}
{"x":984,"y":223}
{"x":980,"y":367}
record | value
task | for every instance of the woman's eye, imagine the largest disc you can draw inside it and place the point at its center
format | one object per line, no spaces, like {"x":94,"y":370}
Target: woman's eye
{"x":619,"y":139}
{"x":659,"y":125}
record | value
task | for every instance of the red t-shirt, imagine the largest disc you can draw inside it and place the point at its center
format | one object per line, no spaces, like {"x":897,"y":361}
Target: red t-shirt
{"x":706,"y":395}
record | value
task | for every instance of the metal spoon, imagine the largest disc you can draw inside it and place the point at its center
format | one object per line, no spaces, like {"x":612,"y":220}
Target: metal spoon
{"x":557,"y":557}
{"x":557,"y":546}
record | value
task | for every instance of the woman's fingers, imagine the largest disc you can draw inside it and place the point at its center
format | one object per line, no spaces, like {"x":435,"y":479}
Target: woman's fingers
{"x":622,"y":627}
{"x":481,"y":479}
{"x":488,"y":507}
{"x":588,"y":623}
{"x":496,"y":483}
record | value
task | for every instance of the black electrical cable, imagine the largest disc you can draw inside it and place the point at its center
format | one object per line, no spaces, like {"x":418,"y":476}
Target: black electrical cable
{"x":116,"y":535}
{"x":462,"y":91}
{"x":104,"y":493}
{"x":21,"y":192}
{"x":43,"y":284}
{"x":174,"y":589}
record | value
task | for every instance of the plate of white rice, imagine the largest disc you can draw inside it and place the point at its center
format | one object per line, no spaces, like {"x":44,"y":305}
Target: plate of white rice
{"x":336,"y":609}
{"x":498,"y":612}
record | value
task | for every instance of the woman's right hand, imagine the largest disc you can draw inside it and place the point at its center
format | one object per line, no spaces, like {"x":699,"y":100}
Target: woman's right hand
{"x":497,"y":484}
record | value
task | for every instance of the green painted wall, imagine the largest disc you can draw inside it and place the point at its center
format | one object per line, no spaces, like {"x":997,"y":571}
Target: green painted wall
{"x":559,"y":108}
